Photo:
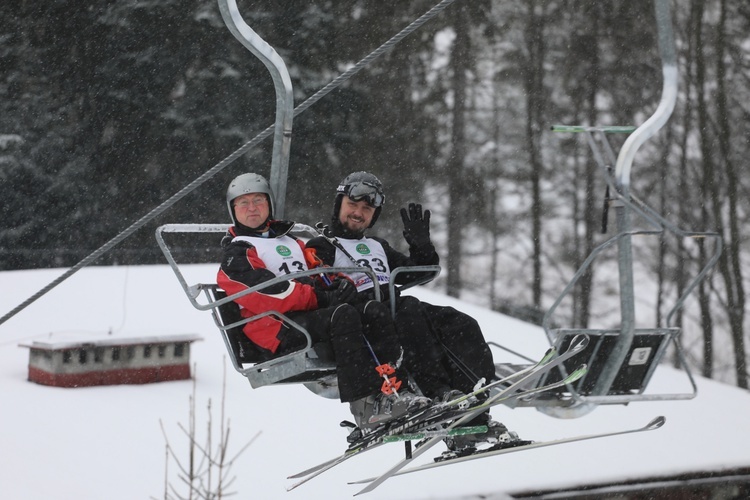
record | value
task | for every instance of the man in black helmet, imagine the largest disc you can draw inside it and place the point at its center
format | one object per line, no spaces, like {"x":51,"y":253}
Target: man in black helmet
{"x":450,"y":344}
{"x":257,"y":249}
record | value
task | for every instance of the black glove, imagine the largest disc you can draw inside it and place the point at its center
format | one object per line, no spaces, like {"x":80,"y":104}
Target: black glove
{"x":416,"y":226}
{"x":347,"y":292}
{"x":341,"y":291}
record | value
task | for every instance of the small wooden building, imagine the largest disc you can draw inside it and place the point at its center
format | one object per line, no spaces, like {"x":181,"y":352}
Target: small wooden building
{"x":141,"y":360}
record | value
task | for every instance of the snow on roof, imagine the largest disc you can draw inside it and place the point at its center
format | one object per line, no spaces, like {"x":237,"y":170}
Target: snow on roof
{"x":110,"y":342}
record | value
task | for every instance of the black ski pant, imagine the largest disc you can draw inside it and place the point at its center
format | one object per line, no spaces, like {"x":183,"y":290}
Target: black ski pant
{"x":445,"y":348}
{"x":357,"y":337}
{"x":423,"y":355}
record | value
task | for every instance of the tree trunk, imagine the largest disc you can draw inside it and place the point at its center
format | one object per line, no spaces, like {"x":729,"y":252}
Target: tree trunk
{"x":591,"y":61}
{"x":683,"y":191}
{"x":456,"y":190}
{"x":732,"y":268}
{"x":534,"y":89}
{"x":709,"y":177}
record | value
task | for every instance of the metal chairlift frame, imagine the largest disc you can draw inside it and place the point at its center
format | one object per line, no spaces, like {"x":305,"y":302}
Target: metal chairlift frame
{"x":621,"y":350}
{"x":313,"y":365}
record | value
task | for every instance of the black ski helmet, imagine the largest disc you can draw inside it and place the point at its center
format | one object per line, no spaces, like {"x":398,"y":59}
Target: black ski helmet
{"x":249,"y":183}
{"x":360,"y":186}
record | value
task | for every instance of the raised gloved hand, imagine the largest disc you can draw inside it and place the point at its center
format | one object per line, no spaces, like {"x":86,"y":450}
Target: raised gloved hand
{"x":416,"y":225}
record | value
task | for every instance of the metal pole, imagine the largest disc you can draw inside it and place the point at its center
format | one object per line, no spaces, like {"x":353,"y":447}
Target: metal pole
{"x":622,"y":182}
{"x":284,"y":99}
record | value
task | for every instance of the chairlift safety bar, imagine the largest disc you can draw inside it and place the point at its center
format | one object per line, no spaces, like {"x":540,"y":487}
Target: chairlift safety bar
{"x":193,"y":291}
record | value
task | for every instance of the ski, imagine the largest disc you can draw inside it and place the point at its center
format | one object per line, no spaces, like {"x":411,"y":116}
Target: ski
{"x":442,"y":412}
{"x":363,"y":444}
{"x":372,"y":440}
{"x":503,"y":396}
{"x":360,"y":446}
{"x":430,"y":417}
{"x":576,"y":346}
{"x":652,"y":425}
{"x":414,"y":436}
{"x":416,"y":426}
{"x":548,"y":356}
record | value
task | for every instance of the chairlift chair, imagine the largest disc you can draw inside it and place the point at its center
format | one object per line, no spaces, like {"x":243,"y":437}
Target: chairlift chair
{"x":314,"y":365}
{"x":622,"y":360}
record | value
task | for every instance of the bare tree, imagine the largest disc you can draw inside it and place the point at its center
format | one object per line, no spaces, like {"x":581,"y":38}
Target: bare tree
{"x":720,"y":184}
{"x":206,"y":471}
{"x":731,"y":267}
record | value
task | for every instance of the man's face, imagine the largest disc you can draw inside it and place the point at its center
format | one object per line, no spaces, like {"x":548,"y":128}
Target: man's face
{"x":251,"y":209}
{"x":355,"y":215}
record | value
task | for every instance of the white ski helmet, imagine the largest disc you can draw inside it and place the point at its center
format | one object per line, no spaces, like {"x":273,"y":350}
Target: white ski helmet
{"x":249,"y":183}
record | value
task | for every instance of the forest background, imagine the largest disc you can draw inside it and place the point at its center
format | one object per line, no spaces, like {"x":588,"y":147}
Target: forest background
{"x":110,"y":108}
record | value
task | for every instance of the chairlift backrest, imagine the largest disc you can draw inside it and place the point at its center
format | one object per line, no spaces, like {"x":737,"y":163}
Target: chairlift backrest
{"x":242,"y":349}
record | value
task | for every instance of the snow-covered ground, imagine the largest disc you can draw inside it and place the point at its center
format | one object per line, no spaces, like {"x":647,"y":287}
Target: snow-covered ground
{"x":106,"y":442}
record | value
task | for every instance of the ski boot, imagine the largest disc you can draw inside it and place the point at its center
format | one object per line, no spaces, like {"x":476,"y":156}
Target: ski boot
{"x":374,"y":411}
{"x":449,"y":395}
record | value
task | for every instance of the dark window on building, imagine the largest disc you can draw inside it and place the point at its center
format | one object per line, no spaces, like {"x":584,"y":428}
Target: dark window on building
{"x":116,"y":353}
{"x":130,"y":352}
{"x":162,"y":350}
{"x":98,"y":355}
{"x":146,"y":351}
{"x":83,"y":356}
{"x":179,"y":349}
{"x":67,"y":356}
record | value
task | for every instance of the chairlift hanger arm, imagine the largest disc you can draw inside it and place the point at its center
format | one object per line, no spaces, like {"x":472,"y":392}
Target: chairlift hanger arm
{"x":666,"y":104}
{"x":284,"y":97}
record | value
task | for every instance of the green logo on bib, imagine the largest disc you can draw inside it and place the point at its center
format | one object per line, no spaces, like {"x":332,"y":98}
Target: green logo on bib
{"x":362,"y":249}
{"x":283,"y":251}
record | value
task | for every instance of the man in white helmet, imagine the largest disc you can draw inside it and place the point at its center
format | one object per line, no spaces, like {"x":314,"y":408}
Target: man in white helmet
{"x":257,"y":249}
{"x":454,"y":355}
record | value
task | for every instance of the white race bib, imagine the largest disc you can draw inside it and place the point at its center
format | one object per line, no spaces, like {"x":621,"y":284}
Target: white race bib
{"x":281,"y":255}
{"x":367,"y":252}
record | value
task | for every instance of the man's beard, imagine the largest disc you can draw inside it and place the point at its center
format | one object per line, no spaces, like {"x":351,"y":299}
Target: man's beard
{"x":344,"y":231}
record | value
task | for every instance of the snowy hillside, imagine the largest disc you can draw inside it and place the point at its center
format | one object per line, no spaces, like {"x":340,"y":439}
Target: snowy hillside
{"x":105,"y":442}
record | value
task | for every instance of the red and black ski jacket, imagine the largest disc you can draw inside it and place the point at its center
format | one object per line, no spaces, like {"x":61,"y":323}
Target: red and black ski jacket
{"x":251,"y":258}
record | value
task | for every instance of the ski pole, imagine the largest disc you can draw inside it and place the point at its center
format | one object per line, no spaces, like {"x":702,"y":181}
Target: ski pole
{"x":391,"y":385}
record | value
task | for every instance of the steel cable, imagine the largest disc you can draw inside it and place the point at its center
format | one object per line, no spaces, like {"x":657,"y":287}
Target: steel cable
{"x":229,"y":159}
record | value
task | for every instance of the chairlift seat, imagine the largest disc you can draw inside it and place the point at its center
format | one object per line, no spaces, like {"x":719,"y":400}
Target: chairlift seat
{"x":244,"y":350}
{"x":314,"y":367}
{"x":645,"y":353}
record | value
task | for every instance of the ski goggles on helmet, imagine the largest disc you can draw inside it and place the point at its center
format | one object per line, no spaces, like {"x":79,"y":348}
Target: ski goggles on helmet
{"x":359,"y":191}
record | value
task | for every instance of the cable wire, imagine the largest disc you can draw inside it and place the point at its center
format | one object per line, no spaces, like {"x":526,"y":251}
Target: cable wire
{"x":230,"y":159}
